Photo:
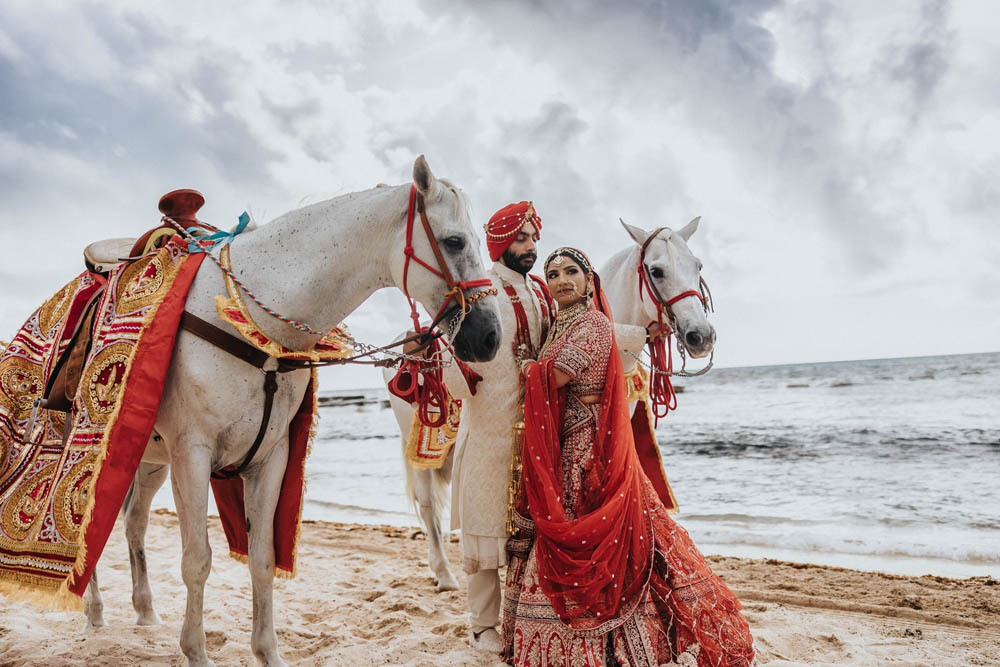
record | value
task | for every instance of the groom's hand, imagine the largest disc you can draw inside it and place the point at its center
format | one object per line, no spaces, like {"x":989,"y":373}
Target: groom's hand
{"x":412,"y":346}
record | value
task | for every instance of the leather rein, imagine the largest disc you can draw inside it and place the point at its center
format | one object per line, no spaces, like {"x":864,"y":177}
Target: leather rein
{"x":271,"y":366}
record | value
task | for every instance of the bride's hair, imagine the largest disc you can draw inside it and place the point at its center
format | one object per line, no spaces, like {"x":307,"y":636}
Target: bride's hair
{"x":577,"y":256}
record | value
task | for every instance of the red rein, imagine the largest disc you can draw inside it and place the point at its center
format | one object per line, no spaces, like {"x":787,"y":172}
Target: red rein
{"x":417,"y":385}
{"x":418,"y":381}
{"x":661,"y":389}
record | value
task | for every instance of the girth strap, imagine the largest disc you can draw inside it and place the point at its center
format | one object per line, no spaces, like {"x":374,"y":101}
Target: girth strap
{"x":248,"y":353}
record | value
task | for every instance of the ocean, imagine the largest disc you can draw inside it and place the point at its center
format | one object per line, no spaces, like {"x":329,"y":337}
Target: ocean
{"x":886,"y":465}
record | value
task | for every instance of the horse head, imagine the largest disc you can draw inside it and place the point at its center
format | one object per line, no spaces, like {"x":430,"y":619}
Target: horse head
{"x":476,"y":336}
{"x":673,"y":270}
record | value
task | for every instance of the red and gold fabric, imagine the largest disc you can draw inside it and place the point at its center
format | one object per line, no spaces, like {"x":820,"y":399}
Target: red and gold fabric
{"x":58,"y":504}
{"x":644,"y":434}
{"x":427,"y":447}
{"x":233,"y":310}
{"x":503,"y":227}
{"x":288,"y":513}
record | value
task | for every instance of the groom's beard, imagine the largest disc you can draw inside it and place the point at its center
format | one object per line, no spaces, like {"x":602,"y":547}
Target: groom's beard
{"x":520,"y":263}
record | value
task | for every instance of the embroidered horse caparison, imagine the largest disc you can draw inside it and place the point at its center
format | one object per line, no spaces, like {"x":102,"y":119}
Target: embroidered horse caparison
{"x":316,"y":264}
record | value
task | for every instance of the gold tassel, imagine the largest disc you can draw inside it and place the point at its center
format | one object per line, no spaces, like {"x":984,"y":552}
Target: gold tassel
{"x":517,"y":438}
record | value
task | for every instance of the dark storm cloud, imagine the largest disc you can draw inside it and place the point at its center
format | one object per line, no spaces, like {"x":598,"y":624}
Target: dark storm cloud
{"x":717,"y":61}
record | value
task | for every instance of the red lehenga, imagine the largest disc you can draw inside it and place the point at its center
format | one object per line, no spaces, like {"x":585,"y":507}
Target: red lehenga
{"x":599,"y":575}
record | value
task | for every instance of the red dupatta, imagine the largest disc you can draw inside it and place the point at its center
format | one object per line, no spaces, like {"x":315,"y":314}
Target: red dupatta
{"x":594,"y":569}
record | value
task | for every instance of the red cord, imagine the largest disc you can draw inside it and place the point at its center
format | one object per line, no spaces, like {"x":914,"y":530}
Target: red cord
{"x":661,"y":389}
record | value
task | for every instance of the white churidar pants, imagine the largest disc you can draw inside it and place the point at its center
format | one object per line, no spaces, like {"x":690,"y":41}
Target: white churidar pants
{"x":484,"y":599}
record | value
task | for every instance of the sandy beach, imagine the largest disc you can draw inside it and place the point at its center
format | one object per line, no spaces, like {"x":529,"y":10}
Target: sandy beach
{"x":364,"y":596}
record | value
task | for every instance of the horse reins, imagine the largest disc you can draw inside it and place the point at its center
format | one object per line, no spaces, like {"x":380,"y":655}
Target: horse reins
{"x":661,"y":389}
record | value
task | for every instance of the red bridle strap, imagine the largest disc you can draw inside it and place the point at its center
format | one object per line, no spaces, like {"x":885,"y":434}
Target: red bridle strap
{"x":414,"y":382}
{"x":456,"y":289}
{"x":661,"y":389}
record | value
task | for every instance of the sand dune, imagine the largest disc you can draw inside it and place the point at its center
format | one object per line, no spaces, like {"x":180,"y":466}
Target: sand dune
{"x":364,"y":596}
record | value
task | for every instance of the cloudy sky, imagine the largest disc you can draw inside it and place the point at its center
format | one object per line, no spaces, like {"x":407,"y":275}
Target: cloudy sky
{"x":844,"y":156}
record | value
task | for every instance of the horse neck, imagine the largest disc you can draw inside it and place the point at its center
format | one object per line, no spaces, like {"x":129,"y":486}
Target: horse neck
{"x":621,"y":287}
{"x":318,"y":263}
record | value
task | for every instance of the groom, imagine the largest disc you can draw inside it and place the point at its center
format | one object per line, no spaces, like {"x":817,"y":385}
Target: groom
{"x":483,"y":454}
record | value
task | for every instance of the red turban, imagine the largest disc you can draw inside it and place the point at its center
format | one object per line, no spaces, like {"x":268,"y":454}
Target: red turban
{"x":503,"y":227}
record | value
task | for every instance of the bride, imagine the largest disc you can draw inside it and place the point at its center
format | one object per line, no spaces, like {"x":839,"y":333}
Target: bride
{"x":599,"y":574}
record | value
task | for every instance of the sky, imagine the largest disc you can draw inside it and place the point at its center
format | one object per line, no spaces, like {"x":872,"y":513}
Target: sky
{"x":844,"y":156}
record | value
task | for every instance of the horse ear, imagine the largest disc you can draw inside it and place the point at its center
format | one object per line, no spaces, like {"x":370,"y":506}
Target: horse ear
{"x":424,"y":179}
{"x":689,"y":229}
{"x":638,"y":234}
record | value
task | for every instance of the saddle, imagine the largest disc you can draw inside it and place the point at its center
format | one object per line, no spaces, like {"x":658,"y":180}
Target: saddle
{"x":102,"y":257}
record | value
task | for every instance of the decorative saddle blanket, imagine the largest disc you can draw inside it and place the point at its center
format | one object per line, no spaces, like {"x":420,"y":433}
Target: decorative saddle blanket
{"x":644,"y":434}
{"x":428,"y":447}
{"x":58,"y":503}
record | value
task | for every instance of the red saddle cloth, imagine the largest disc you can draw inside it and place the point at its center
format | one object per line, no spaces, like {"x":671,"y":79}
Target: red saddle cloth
{"x":59,"y":503}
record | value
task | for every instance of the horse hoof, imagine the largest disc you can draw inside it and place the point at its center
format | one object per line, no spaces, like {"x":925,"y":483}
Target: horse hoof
{"x":92,"y":626}
{"x":447,"y":583}
{"x":200,"y":663}
{"x":148,"y":618}
{"x":272,"y":662}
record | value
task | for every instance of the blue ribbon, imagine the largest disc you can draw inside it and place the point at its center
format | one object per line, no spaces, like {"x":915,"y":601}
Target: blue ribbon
{"x":220,"y":239}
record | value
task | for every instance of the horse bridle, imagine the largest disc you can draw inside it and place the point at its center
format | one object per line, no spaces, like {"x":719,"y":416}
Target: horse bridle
{"x":703,"y":294}
{"x":456,"y":289}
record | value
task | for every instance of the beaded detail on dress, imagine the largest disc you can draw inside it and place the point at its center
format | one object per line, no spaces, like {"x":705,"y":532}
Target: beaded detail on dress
{"x":564,"y":320}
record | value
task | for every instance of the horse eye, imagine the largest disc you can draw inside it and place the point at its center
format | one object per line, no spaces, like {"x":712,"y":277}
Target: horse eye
{"x":454,"y":243}
{"x":656,"y":273}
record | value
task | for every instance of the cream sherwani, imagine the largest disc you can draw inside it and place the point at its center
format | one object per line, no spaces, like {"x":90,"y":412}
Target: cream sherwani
{"x":481,"y":472}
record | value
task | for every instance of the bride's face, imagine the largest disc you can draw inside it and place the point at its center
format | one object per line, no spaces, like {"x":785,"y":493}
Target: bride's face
{"x":567,"y":282}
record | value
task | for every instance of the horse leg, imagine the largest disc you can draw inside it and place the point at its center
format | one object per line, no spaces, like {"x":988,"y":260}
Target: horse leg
{"x":148,"y":479}
{"x":262,"y":486}
{"x":93,"y":605}
{"x":191,"y":466}
{"x":430,"y":512}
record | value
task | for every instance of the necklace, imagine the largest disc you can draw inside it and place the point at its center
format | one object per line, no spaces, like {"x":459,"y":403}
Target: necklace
{"x":564,"y":320}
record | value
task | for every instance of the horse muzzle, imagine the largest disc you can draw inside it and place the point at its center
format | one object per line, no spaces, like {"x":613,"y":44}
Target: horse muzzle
{"x":479,"y":337}
{"x":699,"y":342}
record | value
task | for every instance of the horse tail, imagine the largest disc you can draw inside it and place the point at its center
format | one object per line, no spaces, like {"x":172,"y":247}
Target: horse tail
{"x":441,"y":490}
{"x":404,"y":416}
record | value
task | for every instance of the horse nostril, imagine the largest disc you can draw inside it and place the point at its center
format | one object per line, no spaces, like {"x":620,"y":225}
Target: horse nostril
{"x":490,"y":340}
{"x":693,"y":339}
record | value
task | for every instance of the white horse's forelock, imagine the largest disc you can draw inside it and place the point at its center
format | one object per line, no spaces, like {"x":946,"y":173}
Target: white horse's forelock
{"x":461,"y":204}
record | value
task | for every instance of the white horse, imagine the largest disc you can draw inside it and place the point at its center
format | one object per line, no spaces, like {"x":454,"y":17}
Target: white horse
{"x":317,"y":264}
{"x":673,"y":270}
